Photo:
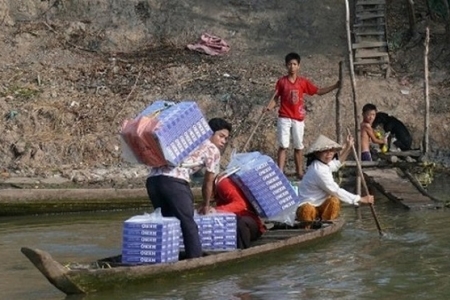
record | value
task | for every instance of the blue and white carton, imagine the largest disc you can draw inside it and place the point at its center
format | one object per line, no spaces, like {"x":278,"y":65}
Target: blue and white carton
{"x":265,"y":186}
{"x":217,"y":231}
{"x":164,"y":133}
{"x":150,"y":239}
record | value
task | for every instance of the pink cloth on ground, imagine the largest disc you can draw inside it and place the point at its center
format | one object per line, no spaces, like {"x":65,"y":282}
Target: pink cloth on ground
{"x":210,"y":44}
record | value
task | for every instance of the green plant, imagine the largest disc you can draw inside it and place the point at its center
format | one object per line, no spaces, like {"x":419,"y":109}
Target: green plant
{"x":20,"y":92}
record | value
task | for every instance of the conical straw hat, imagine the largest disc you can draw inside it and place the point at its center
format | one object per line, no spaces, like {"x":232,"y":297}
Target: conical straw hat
{"x":323,"y":143}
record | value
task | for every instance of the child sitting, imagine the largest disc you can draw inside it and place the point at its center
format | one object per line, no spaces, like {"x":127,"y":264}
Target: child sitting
{"x":368,"y":135}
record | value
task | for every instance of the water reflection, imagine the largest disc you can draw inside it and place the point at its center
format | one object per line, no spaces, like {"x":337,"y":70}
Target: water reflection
{"x":410,"y":261}
{"x":439,"y":187}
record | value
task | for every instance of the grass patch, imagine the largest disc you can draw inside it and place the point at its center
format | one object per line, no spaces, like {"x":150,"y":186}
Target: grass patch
{"x":22,"y":92}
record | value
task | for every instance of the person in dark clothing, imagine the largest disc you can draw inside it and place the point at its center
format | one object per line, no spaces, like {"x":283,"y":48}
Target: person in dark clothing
{"x":168,"y":187}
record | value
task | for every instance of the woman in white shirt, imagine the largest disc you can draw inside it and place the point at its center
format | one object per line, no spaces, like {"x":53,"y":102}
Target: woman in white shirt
{"x":320,"y":195}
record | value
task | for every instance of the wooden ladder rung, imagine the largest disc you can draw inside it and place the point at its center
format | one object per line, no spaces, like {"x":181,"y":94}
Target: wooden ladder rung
{"x":362,"y":53}
{"x":368,"y":25}
{"x":370,"y":10}
{"x":370,"y":33}
{"x":369,"y":16}
{"x":369,"y":45}
{"x":370,"y":62}
{"x":371,"y":2}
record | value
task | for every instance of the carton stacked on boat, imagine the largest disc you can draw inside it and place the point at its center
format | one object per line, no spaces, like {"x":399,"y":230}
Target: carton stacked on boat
{"x":150,"y":239}
{"x":217,"y":231}
{"x":165,"y":133}
{"x":265,"y":186}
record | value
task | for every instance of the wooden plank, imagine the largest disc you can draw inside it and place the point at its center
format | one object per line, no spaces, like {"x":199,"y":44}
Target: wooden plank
{"x":369,"y":45}
{"x":367,"y":164}
{"x":399,"y":189}
{"x":368,"y":25}
{"x":411,"y":197}
{"x":377,"y":32}
{"x":360,"y":10}
{"x":371,"y":2}
{"x":395,"y":186}
{"x":363,"y":53}
{"x":382,"y":173}
{"x":369,"y":16}
{"x":370,"y":62}
{"x":415,"y":153}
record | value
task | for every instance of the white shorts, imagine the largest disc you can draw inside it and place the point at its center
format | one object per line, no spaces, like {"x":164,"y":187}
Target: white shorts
{"x":286,"y":127}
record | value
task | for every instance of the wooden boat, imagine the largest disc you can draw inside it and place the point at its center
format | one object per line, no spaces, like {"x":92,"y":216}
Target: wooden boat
{"x":110,"y":273}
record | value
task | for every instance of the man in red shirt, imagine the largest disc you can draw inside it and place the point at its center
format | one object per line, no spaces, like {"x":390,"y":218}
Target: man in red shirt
{"x":289,"y":92}
{"x":229,"y":198}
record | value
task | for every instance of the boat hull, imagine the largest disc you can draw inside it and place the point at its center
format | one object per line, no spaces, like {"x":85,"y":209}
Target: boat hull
{"x":86,"y":280}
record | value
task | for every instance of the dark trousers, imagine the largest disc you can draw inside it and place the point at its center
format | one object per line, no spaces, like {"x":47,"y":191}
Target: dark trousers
{"x":174,"y":197}
{"x":247,"y":231}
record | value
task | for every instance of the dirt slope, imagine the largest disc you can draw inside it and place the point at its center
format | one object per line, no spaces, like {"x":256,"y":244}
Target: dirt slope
{"x":71,"y":73}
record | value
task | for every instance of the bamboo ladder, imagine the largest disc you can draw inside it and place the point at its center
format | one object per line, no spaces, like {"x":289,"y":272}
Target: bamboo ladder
{"x":369,"y":31}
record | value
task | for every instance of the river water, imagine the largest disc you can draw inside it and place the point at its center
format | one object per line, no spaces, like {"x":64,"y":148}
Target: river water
{"x":410,"y":261}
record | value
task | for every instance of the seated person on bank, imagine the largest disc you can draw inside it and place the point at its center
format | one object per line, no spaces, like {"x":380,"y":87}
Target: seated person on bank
{"x":320,"y":195}
{"x":368,"y":134}
{"x":230,"y":198}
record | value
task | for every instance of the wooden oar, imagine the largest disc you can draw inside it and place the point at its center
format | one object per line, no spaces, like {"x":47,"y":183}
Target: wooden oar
{"x":363,"y":180}
{"x":253,"y":132}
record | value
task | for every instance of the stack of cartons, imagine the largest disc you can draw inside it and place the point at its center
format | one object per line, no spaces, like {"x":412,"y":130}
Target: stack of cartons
{"x":148,"y":240}
{"x":217,"y":231}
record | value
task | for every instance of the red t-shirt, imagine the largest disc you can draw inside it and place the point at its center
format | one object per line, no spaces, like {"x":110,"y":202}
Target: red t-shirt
{"x":291,"y":97}
{"x":229,"y":198}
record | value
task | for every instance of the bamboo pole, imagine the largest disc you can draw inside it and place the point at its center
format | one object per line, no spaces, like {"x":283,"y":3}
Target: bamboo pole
{"x":430,"y":11}
{"x":412,"y":18}
{"x":447,"y":18}
{"x":366,"y":189}
{"x":352,"y":71}
{"x":426,"y":94}
{"x":338,"y":104}
{"x":252,"y":133}
{"x":350,"y":51}
{"x":353,"y":82}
